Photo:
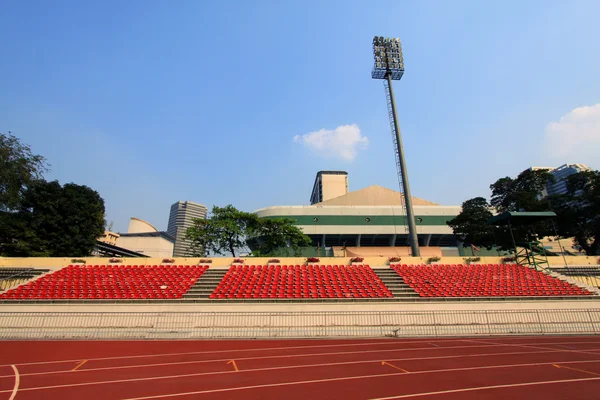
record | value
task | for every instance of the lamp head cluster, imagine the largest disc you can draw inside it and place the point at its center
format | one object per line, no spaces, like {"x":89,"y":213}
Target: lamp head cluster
{"x":388,"y":58}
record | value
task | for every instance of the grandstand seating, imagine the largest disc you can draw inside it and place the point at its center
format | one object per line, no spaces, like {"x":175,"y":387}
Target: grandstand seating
{"x":493,"y":280}
{"x":300,"y":281}
{"x":110,"y":282}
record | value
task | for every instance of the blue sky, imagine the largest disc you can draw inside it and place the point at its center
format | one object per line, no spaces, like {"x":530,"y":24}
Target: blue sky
{"x":150,"y":102}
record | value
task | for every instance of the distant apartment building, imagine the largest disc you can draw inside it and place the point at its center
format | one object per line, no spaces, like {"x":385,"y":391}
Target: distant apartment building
{"x":329,"y":185}
{"x":182,"y":217}
{"x":560,"y":174}
{"x":560,"y":177}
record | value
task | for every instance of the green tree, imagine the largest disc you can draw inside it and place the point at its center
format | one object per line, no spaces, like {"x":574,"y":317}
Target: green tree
{"x":526,"y":192}
{"x":19,"y":167}
{"x":18,"y":239}
{"x":223,"y":232}
{"x":578,"y":211}
{"x":228,"y":230}
{"x":277,"y":236}
{"x":471,"y":225}
{"x":55,"y":221}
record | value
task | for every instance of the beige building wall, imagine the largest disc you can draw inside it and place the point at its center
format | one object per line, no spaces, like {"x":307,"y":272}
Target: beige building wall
{"x":109,"y":238}
{"x":225,"y":262}
{"x":328,"y":185}
{"x":153,"y":246}
{"x":334,"y":186}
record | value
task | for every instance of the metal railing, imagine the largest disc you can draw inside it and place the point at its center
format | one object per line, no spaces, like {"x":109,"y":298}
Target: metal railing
{"x":17,"y":277}
{"x":580,"y":274}
{"x":209,"y":325}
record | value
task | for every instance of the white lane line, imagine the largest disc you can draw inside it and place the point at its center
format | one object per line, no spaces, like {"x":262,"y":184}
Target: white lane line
{"x":17,"y":381}
{"x":472,"y":389}
{"x":534,"y":346}
{"x":342,"y":353}
{"x":299,"y":365}
{"x":154,"y":378}
{"x":391,"y":341}
{"x":339,"y":379}
{"x":480,"y":345}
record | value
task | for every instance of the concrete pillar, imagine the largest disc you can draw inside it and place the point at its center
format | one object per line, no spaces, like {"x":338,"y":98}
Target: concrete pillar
{"x":393,"y":240}
{"x":358,"y":240}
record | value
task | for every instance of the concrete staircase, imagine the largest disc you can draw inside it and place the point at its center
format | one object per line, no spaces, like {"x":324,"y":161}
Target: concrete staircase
{"x":572,"y":281}
{"x":395,"y":284}
{"x":206,"y":284}
{"x":11,"y":278}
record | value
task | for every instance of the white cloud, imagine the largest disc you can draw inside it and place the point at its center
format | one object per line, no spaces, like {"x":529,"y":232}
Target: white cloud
{"x":576,"y":136}
{"x":342,"y":142}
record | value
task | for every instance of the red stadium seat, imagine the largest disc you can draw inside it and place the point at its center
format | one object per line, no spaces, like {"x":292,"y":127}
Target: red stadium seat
{"x":111,"y":282}
{"x":301,"y":281}
{"x":493,"y":280}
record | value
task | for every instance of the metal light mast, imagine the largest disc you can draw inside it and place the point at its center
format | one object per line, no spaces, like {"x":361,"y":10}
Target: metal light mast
{"x":389,"y":65}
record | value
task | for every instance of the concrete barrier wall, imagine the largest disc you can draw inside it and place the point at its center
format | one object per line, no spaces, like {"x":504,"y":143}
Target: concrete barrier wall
{"x":225,"y":262}
{"x":207,"y":325}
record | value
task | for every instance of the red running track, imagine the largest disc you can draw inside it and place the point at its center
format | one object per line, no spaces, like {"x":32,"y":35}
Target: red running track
{"x":558,"y":367}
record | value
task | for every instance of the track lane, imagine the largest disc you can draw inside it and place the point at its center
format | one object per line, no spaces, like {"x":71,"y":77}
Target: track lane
{"x":267,"y":353}
{"x":225,"y":382}
{"x":341,"y":382}
{"x":436,"y":356}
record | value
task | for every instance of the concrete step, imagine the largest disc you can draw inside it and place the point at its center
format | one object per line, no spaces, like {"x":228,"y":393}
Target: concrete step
{"x":396,"y":284}
{"x":206,"y":284}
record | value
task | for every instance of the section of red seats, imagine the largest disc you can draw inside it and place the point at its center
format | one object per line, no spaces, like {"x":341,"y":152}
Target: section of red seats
{"x":300,"y":281}
{"x":488,"y":280}
{"x":111,"y":282}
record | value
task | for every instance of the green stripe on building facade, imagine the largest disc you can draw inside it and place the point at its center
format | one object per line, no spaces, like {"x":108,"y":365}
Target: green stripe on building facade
{"x":381,"y":220}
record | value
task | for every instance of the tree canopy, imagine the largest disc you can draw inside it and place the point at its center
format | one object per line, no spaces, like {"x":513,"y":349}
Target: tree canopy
{"x":55,"y":221}
{"x":526,"y":192}
{"x":40,"y":218}
{"x":223,"y":232}
{"x":578,"y":211}
{"x":228,"y":230}
{"x":273,"y":236}
{"x":471,"y":225}
{"x":19,"y":167}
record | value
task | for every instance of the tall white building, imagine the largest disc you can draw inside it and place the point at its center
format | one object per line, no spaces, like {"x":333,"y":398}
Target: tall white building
{"x":182,"y":217}
{"x":560,"y":175}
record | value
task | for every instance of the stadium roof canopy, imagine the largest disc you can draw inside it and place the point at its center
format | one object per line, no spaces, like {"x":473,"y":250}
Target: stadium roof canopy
{"x":374,"y":195}
{"x":520,"y":217}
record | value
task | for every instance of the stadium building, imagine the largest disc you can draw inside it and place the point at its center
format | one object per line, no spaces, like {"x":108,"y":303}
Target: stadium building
{"x":367,"y":222}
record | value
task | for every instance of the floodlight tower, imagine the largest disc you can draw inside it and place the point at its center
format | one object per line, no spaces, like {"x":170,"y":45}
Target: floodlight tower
{"x":389,"y":65}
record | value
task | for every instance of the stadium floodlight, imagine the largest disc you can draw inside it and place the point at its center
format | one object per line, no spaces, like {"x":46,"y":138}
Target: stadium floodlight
{"x":389,"y":65}
{"x":388,"y":58}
